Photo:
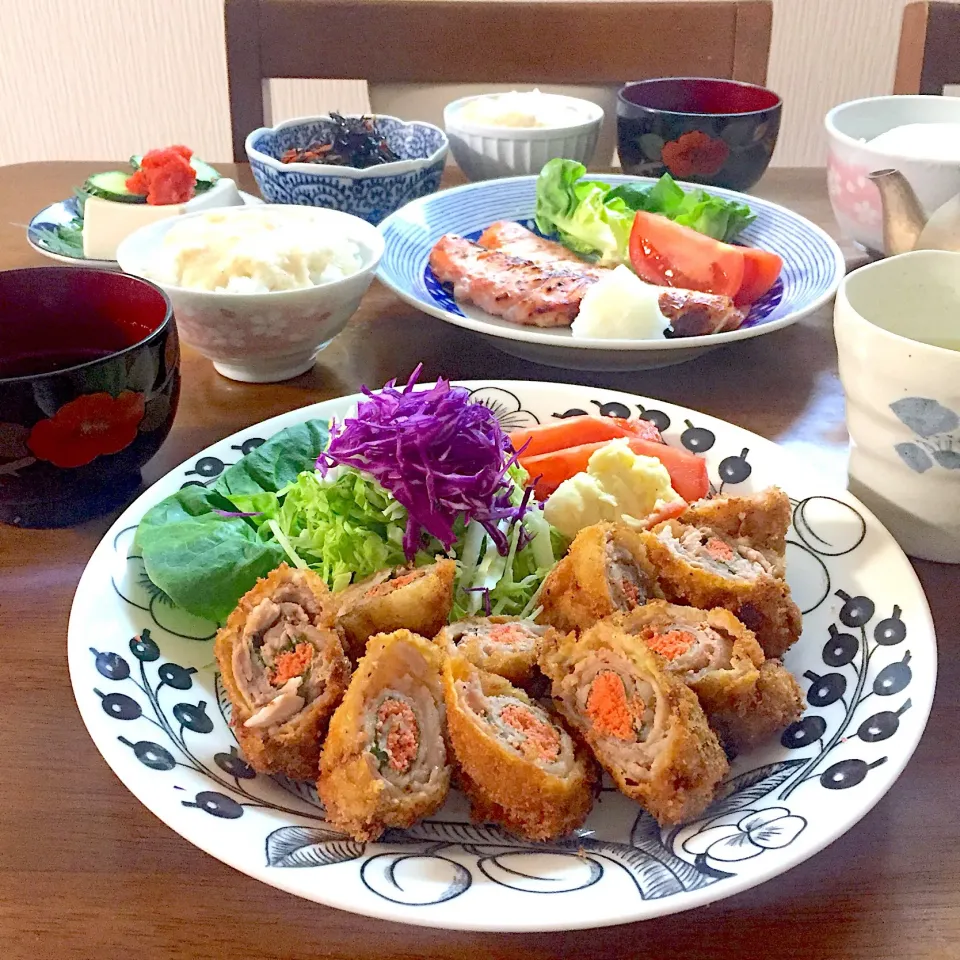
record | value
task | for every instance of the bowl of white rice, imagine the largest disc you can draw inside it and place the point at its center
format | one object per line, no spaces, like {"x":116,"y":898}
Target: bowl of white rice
{"x":259,"y":290}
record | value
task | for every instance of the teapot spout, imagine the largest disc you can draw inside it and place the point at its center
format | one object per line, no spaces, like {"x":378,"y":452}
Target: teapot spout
{"x":903,"y":217}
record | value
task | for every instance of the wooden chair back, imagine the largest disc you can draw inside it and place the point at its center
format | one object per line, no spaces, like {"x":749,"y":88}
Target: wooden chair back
{"x":929,"y":56}
{"x":477,"y":41}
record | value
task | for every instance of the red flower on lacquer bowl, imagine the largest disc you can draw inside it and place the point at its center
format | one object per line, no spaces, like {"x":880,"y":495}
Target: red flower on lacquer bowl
{"x":694,"y":154}
{"x":88,"y":427}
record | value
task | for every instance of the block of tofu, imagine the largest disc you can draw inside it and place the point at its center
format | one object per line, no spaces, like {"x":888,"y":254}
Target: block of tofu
{"x":107,"y":222}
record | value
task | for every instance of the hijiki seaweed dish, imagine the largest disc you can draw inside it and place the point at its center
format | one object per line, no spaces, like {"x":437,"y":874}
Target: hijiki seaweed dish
{"x":353,"y":142}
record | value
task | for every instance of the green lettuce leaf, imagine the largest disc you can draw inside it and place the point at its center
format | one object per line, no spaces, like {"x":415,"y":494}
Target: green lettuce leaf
{"x":346,"y":528}
{"x":205,"y":561}
{"x":577,"y":212}
{"x":718,"y":218}
{"x":276,"y":463}
{"x":202,"y":560}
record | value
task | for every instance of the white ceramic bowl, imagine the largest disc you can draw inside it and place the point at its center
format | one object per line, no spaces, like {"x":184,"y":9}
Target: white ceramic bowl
{"x":262,"y":337}
{"x":855,"y":199}
{"x":485,"y":152}
{"x":894,"y":321}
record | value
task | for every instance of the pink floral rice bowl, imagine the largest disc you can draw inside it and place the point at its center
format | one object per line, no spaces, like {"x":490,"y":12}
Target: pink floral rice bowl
{"x":263,"y":337}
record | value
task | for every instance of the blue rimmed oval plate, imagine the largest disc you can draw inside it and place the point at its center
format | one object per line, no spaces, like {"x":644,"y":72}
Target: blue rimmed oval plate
{"x":813,"y":267}
{"x":146,"y":683}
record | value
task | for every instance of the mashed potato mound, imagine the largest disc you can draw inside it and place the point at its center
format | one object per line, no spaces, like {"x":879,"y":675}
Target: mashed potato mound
{"x":259,"y":250}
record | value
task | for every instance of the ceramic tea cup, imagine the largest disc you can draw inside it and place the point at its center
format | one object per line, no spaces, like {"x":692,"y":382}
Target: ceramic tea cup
{"x":897,"y":324}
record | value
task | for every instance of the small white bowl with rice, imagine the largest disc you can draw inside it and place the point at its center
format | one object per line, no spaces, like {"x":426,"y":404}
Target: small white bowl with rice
{"x":917,"y":135}
{"x":514,"y":134}
{"x":259,"y":290}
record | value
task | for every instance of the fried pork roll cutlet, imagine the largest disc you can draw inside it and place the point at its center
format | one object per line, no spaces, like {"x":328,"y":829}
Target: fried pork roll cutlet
{"x":284,"y":670}
{"x":418,"y":600}
{"x":701,"y":567}
{"x":605,"y":570}
{"x":384,"y":762}
{"x":506,"y":646}
{"x":759,"y":520}
{"x":517,"y":763}
{"x":746,"y":697}
{"x":643,"y":723}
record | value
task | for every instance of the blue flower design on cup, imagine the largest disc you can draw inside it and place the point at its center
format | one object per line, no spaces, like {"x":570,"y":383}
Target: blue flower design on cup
{"x":936,"y":439}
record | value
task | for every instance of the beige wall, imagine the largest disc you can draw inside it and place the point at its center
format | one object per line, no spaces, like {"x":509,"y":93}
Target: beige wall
{"x":100,"y":79}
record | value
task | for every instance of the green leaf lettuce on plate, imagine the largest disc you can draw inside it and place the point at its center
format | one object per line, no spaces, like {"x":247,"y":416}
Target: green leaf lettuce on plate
{"x":578,"y":213}
{"x":205,"y":547}
{"x":718,"y":218}
{"x":592,"y":219}
{"x":205,"y":561}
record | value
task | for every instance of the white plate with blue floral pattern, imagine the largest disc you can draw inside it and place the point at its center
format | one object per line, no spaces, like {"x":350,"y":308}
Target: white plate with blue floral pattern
{"x":813,"y":267}
{"x":146,"y":684}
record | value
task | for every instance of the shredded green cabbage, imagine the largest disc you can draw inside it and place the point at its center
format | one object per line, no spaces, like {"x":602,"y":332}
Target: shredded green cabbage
{"x":347,"y":527}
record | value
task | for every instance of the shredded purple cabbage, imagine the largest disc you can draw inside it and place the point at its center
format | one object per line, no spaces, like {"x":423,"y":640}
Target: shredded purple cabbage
{"x":486,"y":598}
{"x":237,"y":513}
{"x":438,"y":453}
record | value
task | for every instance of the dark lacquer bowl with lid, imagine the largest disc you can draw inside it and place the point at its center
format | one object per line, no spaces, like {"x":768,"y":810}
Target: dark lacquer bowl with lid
{"x":716,"y":132}
{"x":89,"y":384}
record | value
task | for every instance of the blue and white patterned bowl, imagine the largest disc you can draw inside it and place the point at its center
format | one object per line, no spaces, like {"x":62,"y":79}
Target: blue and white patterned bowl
{"x":373,"y":193}
{"x":813,"y":267}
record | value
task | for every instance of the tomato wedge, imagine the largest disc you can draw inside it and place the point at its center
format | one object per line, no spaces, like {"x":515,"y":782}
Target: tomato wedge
{"x":576,"y":431}
{"x":671,"y":255}
{"x":760,"y":271}
{"x":688,"y":473}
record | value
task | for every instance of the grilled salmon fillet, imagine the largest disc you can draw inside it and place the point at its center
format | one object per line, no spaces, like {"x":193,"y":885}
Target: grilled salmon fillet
{"x":514,"y":274}
{"x":508,"y":236}
{"x":520,"y":291}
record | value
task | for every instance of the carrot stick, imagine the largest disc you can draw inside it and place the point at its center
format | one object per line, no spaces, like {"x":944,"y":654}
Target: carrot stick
{"x":577,"y":431}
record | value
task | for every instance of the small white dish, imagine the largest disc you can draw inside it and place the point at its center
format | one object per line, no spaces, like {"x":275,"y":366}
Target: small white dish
{"x":146,"y":684}
{"x":897,"y":323}
{"x":854,"y":198}
{"x":262,"y":337}
{"x":486,"y":151}
{"x":61,"y":213}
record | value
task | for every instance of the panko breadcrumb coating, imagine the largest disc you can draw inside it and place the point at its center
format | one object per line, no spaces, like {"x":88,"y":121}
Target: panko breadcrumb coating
{"x":644,"y":725}
{"x":747,"y":698}
{"x":384,"y":762}
{"x":605,"y":570}
{"x":701,"y":567}
{"x":284,"y":670}
{"x":506,"y":646}
{"x":418,"y":600}
{"x":515,"y":761}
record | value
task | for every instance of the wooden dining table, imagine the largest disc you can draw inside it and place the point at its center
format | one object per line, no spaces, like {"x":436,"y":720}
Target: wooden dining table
{"x":87,"y":873}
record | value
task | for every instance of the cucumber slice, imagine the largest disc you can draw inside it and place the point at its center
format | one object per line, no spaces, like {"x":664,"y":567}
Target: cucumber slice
{"x":206,"y":175}
{"x":112,"y":185}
